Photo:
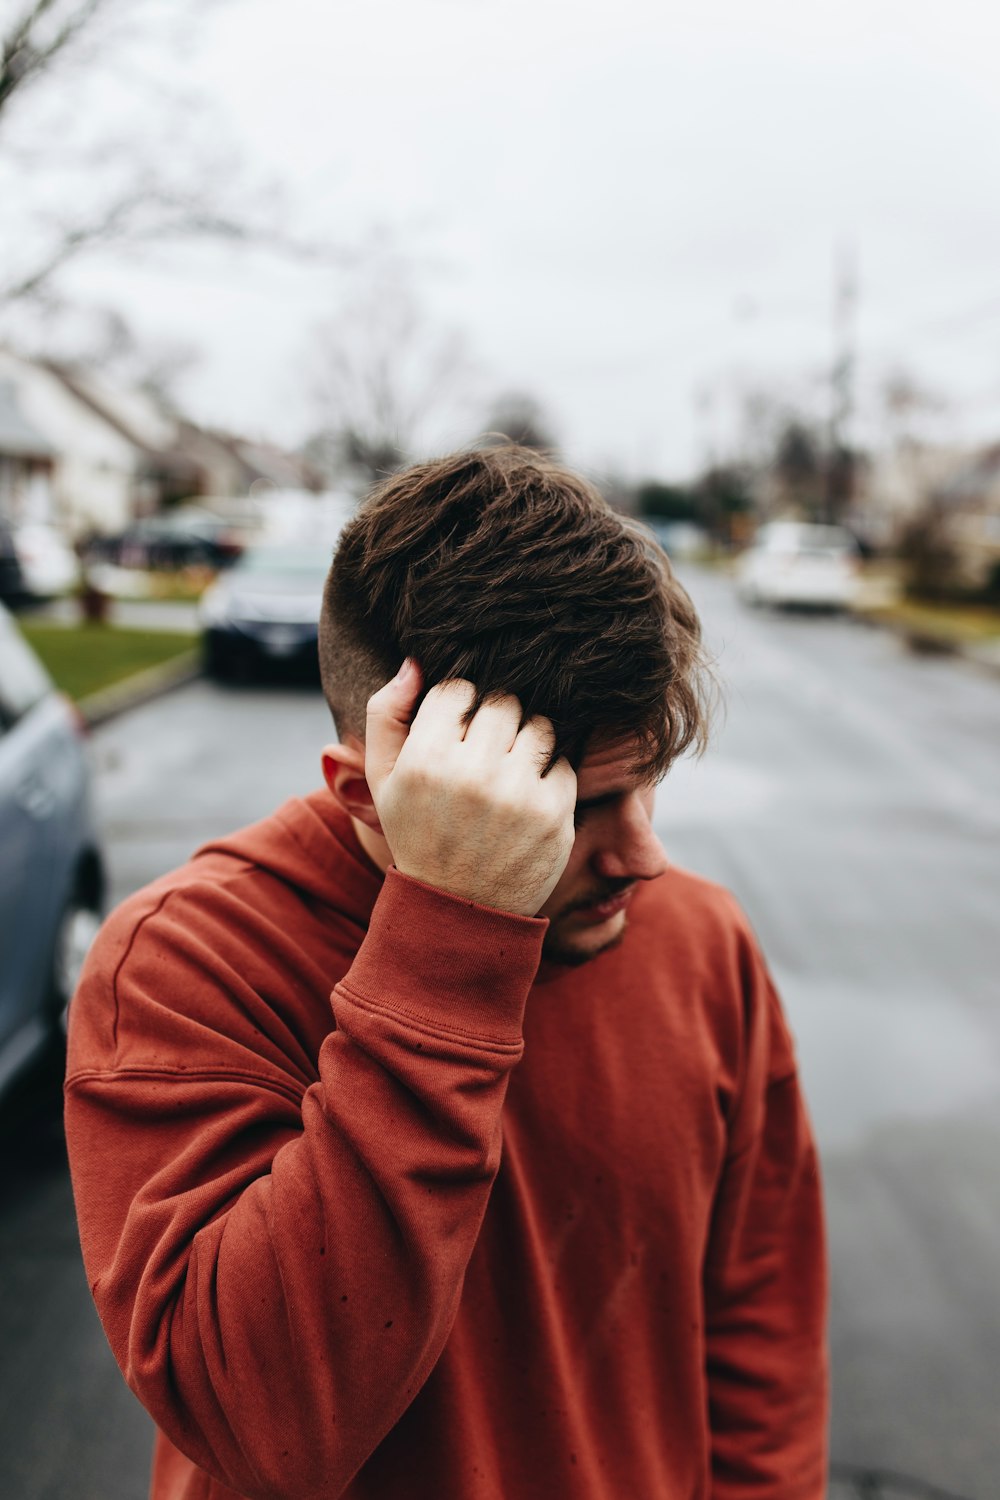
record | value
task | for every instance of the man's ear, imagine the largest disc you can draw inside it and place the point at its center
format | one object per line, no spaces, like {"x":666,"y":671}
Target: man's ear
{"x":344,"y":774}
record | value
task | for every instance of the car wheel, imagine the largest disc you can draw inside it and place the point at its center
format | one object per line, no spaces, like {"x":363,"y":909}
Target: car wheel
{"x":77,"y":930}
{"x":216,"y":664}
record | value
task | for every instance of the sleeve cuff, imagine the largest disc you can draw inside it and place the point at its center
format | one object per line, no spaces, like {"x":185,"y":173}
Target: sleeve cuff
{"x":443,"y":961}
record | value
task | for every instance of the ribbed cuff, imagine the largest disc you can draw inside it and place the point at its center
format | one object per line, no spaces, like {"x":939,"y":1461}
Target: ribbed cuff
{"x":443,"y":961}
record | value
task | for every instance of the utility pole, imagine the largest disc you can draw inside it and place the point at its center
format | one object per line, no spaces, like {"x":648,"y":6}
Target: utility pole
{"x":839,"y":488}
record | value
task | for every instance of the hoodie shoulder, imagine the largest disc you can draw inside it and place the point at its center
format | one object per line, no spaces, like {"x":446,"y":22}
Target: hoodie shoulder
{"x":234,"y":953}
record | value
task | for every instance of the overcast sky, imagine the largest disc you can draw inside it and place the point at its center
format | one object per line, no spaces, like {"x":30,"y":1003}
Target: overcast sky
{"x":632,"y":210}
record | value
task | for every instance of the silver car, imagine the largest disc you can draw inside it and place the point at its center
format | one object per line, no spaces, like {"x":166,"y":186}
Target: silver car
{"x":52,"y":880}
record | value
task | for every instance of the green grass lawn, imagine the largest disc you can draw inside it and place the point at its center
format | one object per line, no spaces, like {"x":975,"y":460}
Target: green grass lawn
{"x":951,"y":622}
{"x":82,"y":659}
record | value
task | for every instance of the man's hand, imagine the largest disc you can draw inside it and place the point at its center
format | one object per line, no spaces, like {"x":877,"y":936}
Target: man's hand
{"x":468,"y":809}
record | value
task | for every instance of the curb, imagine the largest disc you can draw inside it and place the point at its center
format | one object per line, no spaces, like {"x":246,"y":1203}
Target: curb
{"x":140,"y":688}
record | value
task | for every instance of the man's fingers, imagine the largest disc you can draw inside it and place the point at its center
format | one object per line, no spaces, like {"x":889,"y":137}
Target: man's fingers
{"x":390,"y":712}
{"x":537,"y":739}
{"x":467,"y":806}
{"x":440,"y":720}
{"x":495,"y":726}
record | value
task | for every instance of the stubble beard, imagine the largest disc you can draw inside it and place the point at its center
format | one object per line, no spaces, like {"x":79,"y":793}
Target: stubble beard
{"x":558,"y":949}
{"x":562,"y":951}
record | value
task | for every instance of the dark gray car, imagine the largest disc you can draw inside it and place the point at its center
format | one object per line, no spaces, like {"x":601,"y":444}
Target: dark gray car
{"x":51,"y":873}
{"x":262,"y":614}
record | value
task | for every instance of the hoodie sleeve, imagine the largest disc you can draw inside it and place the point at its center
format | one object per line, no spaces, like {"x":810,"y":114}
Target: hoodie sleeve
{"x":765,"y":1277}
{"x":278,"y":1266}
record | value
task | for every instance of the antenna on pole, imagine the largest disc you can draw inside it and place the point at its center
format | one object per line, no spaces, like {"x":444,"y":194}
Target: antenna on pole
{"x":840,"y":458}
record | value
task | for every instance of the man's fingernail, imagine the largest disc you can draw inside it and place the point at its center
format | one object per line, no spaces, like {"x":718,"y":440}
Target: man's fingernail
{"x":403,"y":669}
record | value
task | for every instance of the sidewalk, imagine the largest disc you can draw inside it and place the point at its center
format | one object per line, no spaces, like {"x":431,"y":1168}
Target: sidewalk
{"x":133,"y":614}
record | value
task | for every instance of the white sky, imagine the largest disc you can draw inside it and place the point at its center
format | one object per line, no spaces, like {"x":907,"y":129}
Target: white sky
{"x":630,"y":209}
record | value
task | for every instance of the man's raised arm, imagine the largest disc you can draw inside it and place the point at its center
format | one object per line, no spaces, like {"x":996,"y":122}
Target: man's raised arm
{"x":278,"y":1266}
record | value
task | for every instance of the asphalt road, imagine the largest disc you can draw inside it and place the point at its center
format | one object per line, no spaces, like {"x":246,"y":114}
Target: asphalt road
{"x":852,"y":803}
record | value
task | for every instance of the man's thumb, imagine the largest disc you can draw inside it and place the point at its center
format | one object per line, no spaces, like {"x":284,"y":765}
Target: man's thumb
{"x":390,"y":712}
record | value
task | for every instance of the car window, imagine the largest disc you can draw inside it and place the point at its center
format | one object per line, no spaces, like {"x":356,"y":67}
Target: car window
{"x":23,"y":679}
{"x":805,"y":540}
{"x":298,"y":560}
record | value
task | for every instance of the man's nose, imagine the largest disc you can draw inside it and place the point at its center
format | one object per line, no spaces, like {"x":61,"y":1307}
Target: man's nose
{"x":633,"y":852}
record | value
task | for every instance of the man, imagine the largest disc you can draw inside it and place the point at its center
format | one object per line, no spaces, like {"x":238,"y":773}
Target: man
{"x":433,"y":1138}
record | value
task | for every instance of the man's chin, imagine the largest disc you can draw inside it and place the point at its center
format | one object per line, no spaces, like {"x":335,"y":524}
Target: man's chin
{"x":575,"y":948}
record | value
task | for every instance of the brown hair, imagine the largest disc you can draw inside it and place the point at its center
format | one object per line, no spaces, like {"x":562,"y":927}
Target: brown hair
{"x":503,"y":568}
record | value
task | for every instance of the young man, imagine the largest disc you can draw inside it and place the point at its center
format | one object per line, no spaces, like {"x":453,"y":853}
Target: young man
{"x":434,"y":1138}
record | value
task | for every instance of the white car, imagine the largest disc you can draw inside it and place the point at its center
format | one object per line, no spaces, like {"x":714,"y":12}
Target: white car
{"x":798,"y":564}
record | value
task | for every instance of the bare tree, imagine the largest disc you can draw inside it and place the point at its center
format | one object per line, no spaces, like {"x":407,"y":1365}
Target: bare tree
{"x":102,"y":150}
{"x":909,"y":407}
{"x":521,"y":418}
{"x":382,"y":372}
{"x":35,"y":37}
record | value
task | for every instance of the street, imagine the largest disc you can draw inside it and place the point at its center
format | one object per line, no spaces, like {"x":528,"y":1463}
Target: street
{"x":851,"y":802}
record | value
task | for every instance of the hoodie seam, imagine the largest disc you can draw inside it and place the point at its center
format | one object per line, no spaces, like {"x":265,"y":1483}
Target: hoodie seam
{"x":200,"y":1075}
{"x":424,"y":1024}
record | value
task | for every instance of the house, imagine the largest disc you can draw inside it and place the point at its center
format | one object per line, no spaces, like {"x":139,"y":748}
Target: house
{"x":233,"y":466}
{"x":164,"y":471}
{"x":27,"y":460}
{"x":899,"y":484}
{"x":93,"y":466}
{"x":967,"y":505}
{"x":81,"y":451}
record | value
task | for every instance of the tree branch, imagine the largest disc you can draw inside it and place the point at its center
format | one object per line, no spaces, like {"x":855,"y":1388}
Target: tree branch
{"x":23,"y":55}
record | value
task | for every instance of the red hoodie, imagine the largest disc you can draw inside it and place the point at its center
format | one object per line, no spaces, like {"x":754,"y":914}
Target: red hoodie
{"x":370,"y":1251}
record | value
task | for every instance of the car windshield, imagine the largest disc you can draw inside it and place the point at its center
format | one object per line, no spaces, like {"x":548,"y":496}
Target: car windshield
{"x":297,"y":562}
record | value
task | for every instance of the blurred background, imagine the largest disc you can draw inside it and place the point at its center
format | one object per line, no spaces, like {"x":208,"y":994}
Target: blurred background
{"x":738,"y":264}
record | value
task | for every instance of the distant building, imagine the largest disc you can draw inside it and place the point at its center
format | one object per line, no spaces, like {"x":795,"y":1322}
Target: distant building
{"x":26,"y":463}
{"x":232,"y":465}
{"x":898,"y":485}
{"x":81,"y":451}
{"x":968,"y":503}
{"x":94,"y":466}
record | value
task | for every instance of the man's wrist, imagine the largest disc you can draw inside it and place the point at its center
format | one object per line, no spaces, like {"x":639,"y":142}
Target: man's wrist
{"x":446,"y":960}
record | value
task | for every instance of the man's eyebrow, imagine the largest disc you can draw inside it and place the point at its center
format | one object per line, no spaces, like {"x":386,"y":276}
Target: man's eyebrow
{"x":600,"y":801}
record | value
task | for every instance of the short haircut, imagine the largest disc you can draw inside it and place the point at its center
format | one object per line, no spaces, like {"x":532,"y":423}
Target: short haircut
{"x":504,"y":568}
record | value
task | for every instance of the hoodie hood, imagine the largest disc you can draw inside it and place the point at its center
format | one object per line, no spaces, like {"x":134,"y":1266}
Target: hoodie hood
{"x":310,"y":844}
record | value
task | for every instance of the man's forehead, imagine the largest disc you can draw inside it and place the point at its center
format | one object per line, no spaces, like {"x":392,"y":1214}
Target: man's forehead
{"x":610,"y":767}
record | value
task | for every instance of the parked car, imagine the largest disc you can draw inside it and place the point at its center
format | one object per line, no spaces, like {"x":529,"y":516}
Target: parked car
{"x":264,"y":612}
{"x":794,"y":563}
{"x":188,"y":536}
{"x":52,"y":880}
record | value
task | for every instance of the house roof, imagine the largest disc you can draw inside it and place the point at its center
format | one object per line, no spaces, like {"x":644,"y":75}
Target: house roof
{"x":135,"y":415}
{"x":260,"y":460}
